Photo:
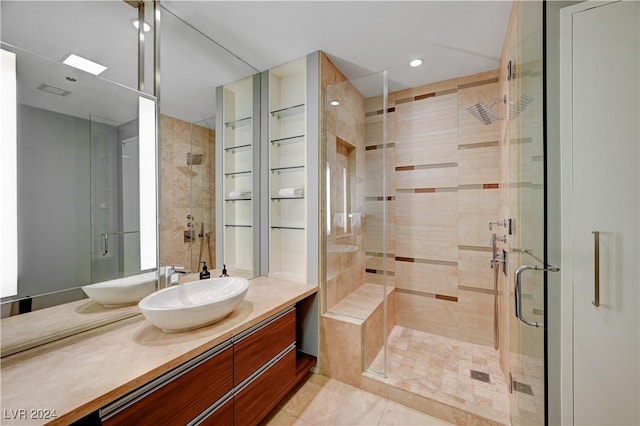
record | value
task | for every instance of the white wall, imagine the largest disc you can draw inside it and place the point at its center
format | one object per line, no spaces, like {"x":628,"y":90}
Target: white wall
{"x":53,"y":201}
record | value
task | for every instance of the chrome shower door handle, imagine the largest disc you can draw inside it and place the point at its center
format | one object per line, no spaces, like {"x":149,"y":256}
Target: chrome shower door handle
{"x":105,"y":243}
{"x":518,"y":296}
{"x":596,"y":268}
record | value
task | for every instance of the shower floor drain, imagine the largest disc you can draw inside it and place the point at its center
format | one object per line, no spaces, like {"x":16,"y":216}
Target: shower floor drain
{"x":479,"y":375}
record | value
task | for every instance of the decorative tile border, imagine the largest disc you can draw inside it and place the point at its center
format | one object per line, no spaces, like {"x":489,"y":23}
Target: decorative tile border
{"x":517,"y":141}
{"x":388,"y":198}
{"x":476,"y":289}
{"x":478,"y":145}
{"x":380,"y":146}
{"x":379,"y":272}
{"x":425,"y":190}
{"x":477,"y":83}
{"x":378,"y":254}
{"x":426,"y":96}
{"x":475,"y":248}
{"x":380,"y":111}
{"x":427,"y":261}
{"x":429,"y":295}
{"x":425,"y":167}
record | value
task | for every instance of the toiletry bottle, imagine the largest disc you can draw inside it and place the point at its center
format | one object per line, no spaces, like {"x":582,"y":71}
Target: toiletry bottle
{"x":205,"y":274}
{"x":224,"y":271}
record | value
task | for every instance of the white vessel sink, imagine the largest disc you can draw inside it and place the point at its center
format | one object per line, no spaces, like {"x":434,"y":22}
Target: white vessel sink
{"x":195,"y":304}
{"x":123,"y":291}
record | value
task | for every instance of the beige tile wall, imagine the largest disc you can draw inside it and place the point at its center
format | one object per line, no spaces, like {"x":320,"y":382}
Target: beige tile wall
{"x":443,"y":176}
{"x":186,"y":189}
{"x":345,"y":148}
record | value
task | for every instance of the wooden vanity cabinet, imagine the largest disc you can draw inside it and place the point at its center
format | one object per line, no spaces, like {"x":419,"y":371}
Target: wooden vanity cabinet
{"x":253,"y":402}
{"x":177,"y":397}
{"x":255,"y":348}
{"x":238,"y":382}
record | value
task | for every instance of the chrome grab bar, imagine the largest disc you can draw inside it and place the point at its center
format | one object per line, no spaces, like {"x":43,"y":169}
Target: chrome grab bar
{"x":105,"y":239}
{"x":518,"y":291}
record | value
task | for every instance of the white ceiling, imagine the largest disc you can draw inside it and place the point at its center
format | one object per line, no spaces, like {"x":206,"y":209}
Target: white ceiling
{"x":455,"y":38}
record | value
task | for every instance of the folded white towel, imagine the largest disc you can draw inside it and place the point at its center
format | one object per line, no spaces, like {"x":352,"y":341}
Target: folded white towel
{"x":356,"y":220}
{"x":338,"y":220}
{"x":295,"y":191}
{"x":240,"y":194}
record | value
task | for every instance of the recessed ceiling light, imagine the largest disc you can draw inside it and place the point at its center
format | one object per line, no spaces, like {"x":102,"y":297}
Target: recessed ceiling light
{"x":136,"y":24}
{"x":335,"y":103}
{"x":84,"y":64}
{"x":416,"y":62}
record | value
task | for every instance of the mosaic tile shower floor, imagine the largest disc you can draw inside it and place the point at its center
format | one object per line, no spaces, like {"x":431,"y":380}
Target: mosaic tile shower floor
{"x":439,"y":368}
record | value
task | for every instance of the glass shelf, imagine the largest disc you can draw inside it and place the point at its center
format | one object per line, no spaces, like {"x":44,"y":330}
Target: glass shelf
{"x":237,"y":199}
{"x":291,"y":168}
{"x":233,"y":148}
{"x":286,"y":198}
{"x":238,"y":123}
{"x":237,"y":226}
{"x":290,"y":139}
{"x":286,"y":112}
{"x":288,"y":227}
{"x":247,"y":172}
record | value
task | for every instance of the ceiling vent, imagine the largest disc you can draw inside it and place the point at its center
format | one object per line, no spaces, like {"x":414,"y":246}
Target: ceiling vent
{"x":53,"y":90}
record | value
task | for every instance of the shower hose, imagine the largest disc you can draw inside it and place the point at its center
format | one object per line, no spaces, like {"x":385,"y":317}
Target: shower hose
{"x":496,"y":331}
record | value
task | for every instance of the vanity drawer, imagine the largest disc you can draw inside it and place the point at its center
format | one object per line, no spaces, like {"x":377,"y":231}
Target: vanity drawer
{"x":178,"y":399}
{"x":257,"y":348}
{"x":222,"y":416}
{"x":254,"y":401}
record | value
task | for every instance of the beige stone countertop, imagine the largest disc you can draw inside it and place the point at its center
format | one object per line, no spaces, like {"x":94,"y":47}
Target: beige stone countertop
{"x":77,"y":375}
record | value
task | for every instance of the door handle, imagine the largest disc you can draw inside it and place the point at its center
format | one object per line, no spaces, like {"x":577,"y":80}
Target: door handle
{"x":518,"y":292}
{"x":596,"y":268}
{"x":105,"y":243}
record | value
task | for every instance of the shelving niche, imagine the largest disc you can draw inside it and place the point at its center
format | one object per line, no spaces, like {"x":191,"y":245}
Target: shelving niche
{"x":287,"y":118}
{"x":239,"y":194}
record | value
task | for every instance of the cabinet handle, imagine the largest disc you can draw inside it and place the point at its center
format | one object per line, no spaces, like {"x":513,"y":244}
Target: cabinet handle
{"x":596,"y":267}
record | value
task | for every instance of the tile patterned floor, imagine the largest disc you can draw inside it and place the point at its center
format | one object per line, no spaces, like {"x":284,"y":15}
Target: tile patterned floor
{"x":319,"y":400}
{"x":439,"y":368}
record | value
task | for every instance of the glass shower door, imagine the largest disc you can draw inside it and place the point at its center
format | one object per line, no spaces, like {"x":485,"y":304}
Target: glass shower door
{"x":357,"y":281}
{"x":115,"y":202}
{"x":526,"y":177}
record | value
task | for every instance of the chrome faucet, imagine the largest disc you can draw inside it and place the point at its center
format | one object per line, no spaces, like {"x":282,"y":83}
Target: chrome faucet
{"x":171,"y":275}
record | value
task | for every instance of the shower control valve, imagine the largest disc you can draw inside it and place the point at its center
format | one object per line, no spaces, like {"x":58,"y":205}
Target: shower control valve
{"x":507,"y":223}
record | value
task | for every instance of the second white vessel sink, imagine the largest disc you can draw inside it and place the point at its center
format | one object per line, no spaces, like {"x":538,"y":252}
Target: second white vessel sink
{"x":196,"y":304}
{"x":122,"y":291}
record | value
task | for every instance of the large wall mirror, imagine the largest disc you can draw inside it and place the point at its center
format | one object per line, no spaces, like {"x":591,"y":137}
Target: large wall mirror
{"x":83,"y":189}
{"x":192,"y":66}
{"x":79,"y":156}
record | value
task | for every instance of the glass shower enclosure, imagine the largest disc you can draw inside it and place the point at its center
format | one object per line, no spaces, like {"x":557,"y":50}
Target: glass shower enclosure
{"x":358,"y":279}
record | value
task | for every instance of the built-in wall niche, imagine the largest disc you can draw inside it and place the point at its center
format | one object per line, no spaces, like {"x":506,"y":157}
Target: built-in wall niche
{"x":343,"y":174}
{"x":288,"y":183}
{"x":240,"y":156}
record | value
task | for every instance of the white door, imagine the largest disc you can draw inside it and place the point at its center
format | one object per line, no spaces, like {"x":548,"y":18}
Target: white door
{"x":602,"y":191}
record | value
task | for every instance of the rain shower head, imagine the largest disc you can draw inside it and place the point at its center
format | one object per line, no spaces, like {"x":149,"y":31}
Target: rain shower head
{"x":519,"y":106}
{"x":484,"y":113}
{"x":487,"y":115}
